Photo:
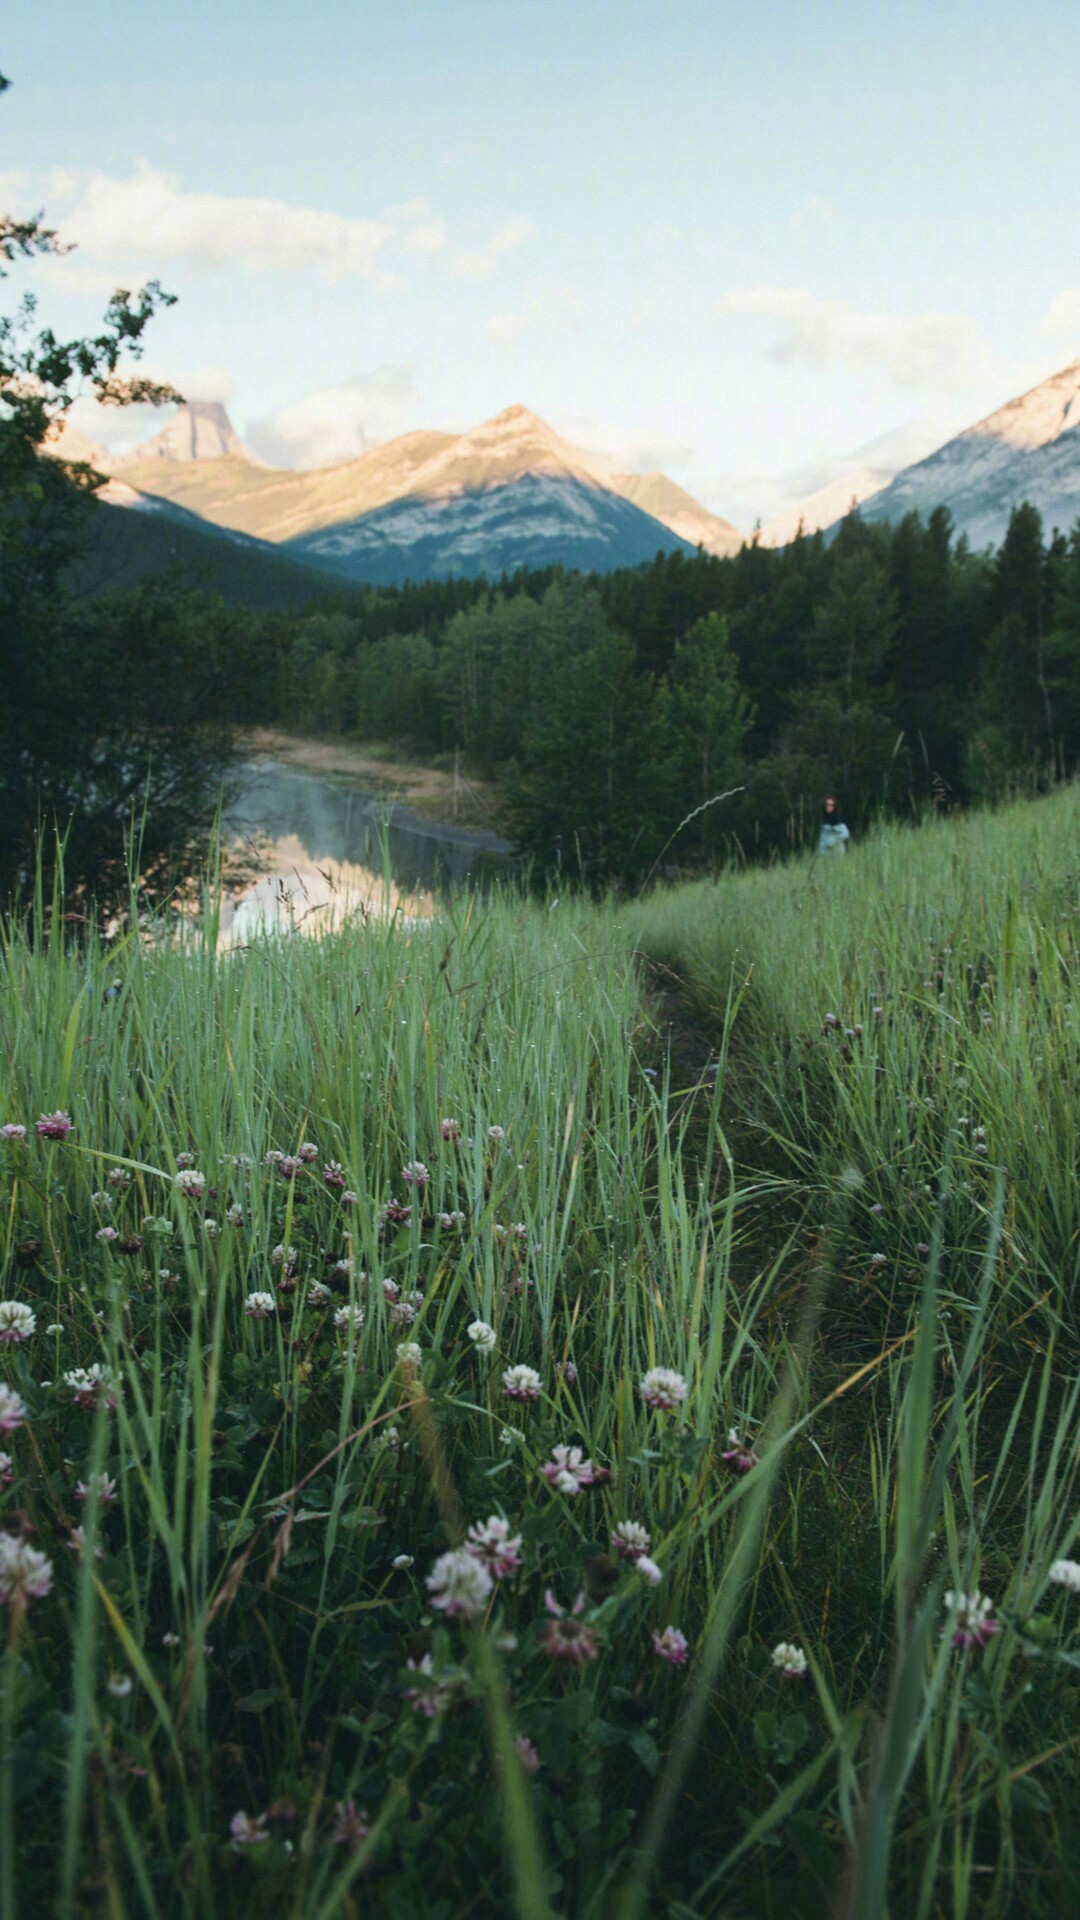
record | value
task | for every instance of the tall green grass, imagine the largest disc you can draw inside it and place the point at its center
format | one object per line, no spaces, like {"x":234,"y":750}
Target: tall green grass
{"x":252,"y":1637}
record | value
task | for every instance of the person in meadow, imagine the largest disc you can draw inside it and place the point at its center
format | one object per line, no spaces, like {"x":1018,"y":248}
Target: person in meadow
{"x":833,"y":836}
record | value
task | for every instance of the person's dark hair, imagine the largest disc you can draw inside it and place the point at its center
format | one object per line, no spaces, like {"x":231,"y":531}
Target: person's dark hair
{"x":834,"y":816}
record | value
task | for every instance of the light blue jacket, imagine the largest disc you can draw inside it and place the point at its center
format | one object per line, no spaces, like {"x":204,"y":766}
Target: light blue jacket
{"x":832,"y":837}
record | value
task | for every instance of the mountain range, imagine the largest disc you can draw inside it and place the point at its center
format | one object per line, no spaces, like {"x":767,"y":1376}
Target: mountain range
{"x":512,"y":493}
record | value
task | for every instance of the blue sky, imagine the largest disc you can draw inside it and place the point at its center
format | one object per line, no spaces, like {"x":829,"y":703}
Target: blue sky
{"x":735,"y":242}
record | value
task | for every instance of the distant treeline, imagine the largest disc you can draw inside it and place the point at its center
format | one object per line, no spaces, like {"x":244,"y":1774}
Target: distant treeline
{"x":891,"y":665}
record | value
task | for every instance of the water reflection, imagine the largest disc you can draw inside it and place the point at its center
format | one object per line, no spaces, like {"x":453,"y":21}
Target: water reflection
{"x":323,"y":848}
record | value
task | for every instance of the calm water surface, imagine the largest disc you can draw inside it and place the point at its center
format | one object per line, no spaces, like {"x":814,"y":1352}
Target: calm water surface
{"x":322,"y":852}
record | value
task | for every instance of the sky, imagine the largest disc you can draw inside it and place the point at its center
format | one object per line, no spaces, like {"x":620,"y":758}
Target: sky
{"x":738,"y":243}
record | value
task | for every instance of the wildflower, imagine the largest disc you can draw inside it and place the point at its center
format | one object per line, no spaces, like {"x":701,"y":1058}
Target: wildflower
{"x":351,"y":1825}
{"x":235,"y":1215}
{"x":878,"y":1259}
{"x":630,"y":1540}
{"x":527,"y":1753}
{"x":334,"y":1174}
{"x":496,"y":1133}
{"x":106,"y":1235}
{"x":120,"y":1178}
{"x":391,"y":1292}
{"x":282,"y":1256}
{"x":12,"y":1411}
{"x":247,"y":1831}
{"x":348,"y":1198}
{"x":521,"y":1383}
{"x":288,"y":1166}
{"x":272,"y":1157}
{"x":307,"y":1152}
{"x":54,"y":1126}
{"x":185,"y":1159}
{"x":789,"y":1660}
{"x":1065,"y":1573}
{"x":409,"y":1354}
{"x":319,"y":1295}
{"x":492,"y":1543}
{"x":672,"y":1646}
{"x":390,"y":1438}
{"x":394,"y":1214}
{"x":662,"y":1389}
{"x":77,"y":1542}
{"x":100,"y":1484}
{"x":415,"y":1174}
{"x":568,"y":1371}
{"x":970,"y":1619}
{"x":483,"y":1337}
{"x":92,"y":1386}
{"x":450,"y":1130}
{"x":25,"y":1574}
{"x":565,"y":1636}
{"x":349,"y":1317}
{"x":401,"y":1561}
{"x":510,"y":1437}
{"x":16,"y":1322}
{"x":648,"y":1569}
{"x":103,"y":1201}
{"x":432,"y":1696}
{"x":739,"y":1457}
{"x":12,"y":1132}
{"x":170,"y":1639}
{"x":459,"y":1584}
{"x":7,"y":1470}
{"x":119,"y":1685}
{"x":259,"y":1306}
{"x":568,"y":1471}
{"x":210,"y":1227}
{"x":55,"y":1327}
{"x":191,"y":1183}
{"x":452,"y":1222}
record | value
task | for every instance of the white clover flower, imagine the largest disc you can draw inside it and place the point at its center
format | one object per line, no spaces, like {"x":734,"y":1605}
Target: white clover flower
{"x":348,"y":1198}
{"x":409,"y":1354}
{"x":119,"y":1685}
{"x":17,"y":1322}
{"x":1065,"y":1573}
{"x":662,"y":1389}
{"x":401,"y":1561}
{"x":452,"y":1222}
{"x":483,"y":1337}
{"x":521,"y":1383}
{"x":119,"y":1177}
{"x":282,"y":1256}
{"x":349,"y":1318}
{"x":92,"y":1386}
{"x":106,"y":1235}
{"x":671,"y":1646}
{"x":510,"y":1437}
{"x":496,"y":1133}
{"x":459,"y":1585}
{"x":789,"y":1659}
{"x":247,"y":1831}
{"x":12,"y":1411}
{"x":491,"y":1542}
{"x":210,"y":1227}
{"x":235,"y":1214}
{"x":568,"y":1471}
{"x":12,"y":1132}
{"x":308,"y":1152}
{"x":259,"y":1306}
{"x":101,"y":1200}
{"x":630,"y":1540}
{"x":55,"y":1327}
{"x":185,"y":1160}
{"x":878,"y":1259}
{"x":648,"y":1569}
{"x":100,"y":1484}
{"x":415,"y":1174}
{"x":25,"y":1574}
{"x":191,"y":1183}
{"x":319,"y":1295}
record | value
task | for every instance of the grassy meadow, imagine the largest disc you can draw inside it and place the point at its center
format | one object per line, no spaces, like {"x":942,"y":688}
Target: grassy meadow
{"x":465,"y":1455}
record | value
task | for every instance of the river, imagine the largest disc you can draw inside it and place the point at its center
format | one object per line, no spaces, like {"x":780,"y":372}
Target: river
{"x":321,"y":852}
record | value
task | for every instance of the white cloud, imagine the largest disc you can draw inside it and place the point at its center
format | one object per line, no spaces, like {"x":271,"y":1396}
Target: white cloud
{"x":121,"y":427}
{"x":340,"y":422}
{"x":479,"y":263}
{"x":149,"y":217}
{"x":1063,"y":314}
{"x":943,"y":350}
{"x":555,"y":308}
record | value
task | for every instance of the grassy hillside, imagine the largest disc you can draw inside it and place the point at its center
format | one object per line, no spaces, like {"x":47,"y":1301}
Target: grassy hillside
{"x":565,"y":1487}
